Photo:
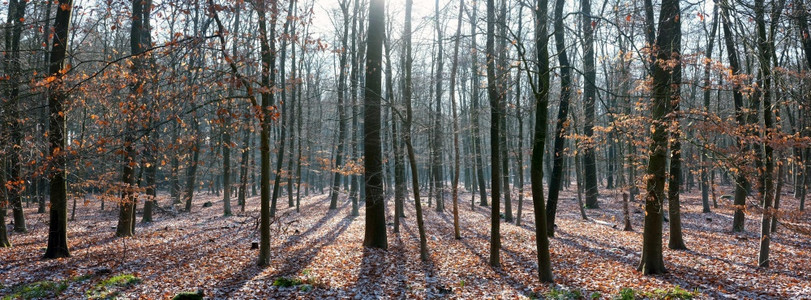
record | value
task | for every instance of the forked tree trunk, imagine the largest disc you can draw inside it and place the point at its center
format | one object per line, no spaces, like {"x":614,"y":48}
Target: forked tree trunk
{"x":668,"y":42}
{"x":734,"y":67}
{"x":541,"y":93}
{"x":563,"y":113}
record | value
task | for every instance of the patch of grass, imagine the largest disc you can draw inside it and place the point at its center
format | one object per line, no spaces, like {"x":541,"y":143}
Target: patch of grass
{"x":626,"y":294}
{"x":595,"y":295}
{"x":109,"y":288}
{"x":673,"y":293}
{"x":39,"y":289}
{"x":286,"y":282}
{"x":661,"y":294}
{"x":563,"y":294}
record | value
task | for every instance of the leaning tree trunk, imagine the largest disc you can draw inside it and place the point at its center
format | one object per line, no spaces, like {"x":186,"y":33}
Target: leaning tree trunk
{"x":407,"y":94}
{"x":563,"y":113}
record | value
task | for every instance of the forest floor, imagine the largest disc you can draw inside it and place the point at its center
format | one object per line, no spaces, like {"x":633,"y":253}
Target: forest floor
{"x":321,"y":253}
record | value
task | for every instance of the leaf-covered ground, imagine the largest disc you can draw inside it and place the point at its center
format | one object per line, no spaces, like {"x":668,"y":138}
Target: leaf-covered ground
{"x":318,"y":253}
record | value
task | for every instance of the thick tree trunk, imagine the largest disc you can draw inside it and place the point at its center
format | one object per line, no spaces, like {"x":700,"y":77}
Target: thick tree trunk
{"x":668,"y":44}
{"x":11,"y":90}
{"x":589,"y":95}
{"x":674,"y":183}
{"x":375,"y":232}
{"x":58,"y":226}
{"x":541,"y":93}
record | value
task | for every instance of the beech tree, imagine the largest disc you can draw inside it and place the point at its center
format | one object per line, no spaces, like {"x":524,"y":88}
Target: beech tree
{"x":495,"y":168}
{"x":666,"y":80}
{"x":58,"y":220}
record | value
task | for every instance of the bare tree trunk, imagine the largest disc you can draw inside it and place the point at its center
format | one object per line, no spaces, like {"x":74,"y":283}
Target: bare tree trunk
{"x":740,"y":177}
{"x":399,"y":169}
{"x":455,"y":183}
{"x":541,"y":93}
{"x":336,"y":185}
{"x":11,"y":91}
{"x":495,"y":164}
{"x":57,"y":228}
{"x":765,"y":47}
{"x":781,"y":169}
{"x":563,"y":113}
{"x":474,"y":72}
{"x":4,"y":242}
{"x":436,"y":144}
{"x":705,"y":182}
{"x":409,"y":118}
{"x":589,"y":91}
{"x":668,"y":44}
{"x":129,"y":198}
{"x":518,"y":115}
{"x":375,"y":230}
{"x":268,"y":82}
{"x":503,"y":82}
